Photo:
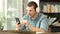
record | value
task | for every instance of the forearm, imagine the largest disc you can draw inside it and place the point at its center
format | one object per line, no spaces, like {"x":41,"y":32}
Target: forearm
{"x":35,"y":29}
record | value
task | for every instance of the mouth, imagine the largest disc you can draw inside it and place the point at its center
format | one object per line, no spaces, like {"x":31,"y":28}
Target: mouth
{"x":29,"y":14}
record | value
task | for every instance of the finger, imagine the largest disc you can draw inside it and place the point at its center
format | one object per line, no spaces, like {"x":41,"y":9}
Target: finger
{"x":19,"y":25}
{"x":17,"y":22}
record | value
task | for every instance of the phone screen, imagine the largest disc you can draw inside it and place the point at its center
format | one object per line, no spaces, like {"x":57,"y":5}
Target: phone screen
{"x":17,"y":20}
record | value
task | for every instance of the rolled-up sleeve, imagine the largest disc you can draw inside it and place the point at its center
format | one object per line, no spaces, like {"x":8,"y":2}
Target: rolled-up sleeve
{"x":44,"y":24}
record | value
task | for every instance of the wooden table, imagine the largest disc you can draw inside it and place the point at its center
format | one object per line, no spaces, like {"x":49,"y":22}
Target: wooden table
{"x":16,"y":32}
{"x":54,"y":33}
{"x":23,"y":32}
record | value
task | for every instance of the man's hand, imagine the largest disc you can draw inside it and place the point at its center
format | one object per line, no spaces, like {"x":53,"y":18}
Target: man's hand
{"x":18,"y":26}
{"x":25,"y":22}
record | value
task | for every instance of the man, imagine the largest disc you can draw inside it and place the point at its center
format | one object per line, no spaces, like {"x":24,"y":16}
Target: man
{"x":34,"y":21}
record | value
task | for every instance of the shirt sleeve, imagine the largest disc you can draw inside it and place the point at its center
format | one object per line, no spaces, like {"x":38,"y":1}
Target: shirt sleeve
{"x":23,"y":27}
{"x":44,"y":24}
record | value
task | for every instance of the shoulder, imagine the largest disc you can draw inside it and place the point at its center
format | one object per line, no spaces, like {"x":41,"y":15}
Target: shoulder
{"x":42,"y":16}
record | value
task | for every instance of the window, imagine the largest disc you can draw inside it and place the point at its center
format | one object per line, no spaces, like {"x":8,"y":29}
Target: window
{"x":9,"y":9}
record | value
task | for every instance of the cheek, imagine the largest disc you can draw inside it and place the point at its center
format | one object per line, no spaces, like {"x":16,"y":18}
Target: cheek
{"x":29,"y":12}
{"x":33,"y":12}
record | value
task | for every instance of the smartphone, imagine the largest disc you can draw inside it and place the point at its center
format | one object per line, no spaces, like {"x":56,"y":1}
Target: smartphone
{"x":17,"y":20}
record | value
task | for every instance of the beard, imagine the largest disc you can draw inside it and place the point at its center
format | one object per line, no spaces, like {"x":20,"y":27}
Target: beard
{"x":30,"y":15}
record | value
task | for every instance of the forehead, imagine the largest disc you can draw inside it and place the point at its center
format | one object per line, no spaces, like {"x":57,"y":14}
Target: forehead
{"x":30,"y":7}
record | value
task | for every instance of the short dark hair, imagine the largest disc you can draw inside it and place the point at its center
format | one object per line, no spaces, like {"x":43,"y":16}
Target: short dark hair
{"x":32,"y":3}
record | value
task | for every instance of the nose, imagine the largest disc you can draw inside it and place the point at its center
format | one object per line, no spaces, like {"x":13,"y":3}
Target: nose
{"x":28,"y":12}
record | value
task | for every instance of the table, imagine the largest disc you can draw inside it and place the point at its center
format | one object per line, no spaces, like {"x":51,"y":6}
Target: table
{"x":16,"y":32}
{"x":23,"y":32}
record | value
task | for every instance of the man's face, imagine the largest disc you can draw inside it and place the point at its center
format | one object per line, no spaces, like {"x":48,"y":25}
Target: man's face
{"x":31,"y":11}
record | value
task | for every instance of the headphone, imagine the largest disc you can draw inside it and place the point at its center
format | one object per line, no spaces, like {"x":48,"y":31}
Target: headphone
{"x":37,"y":9}
{"x":35,"y":5}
